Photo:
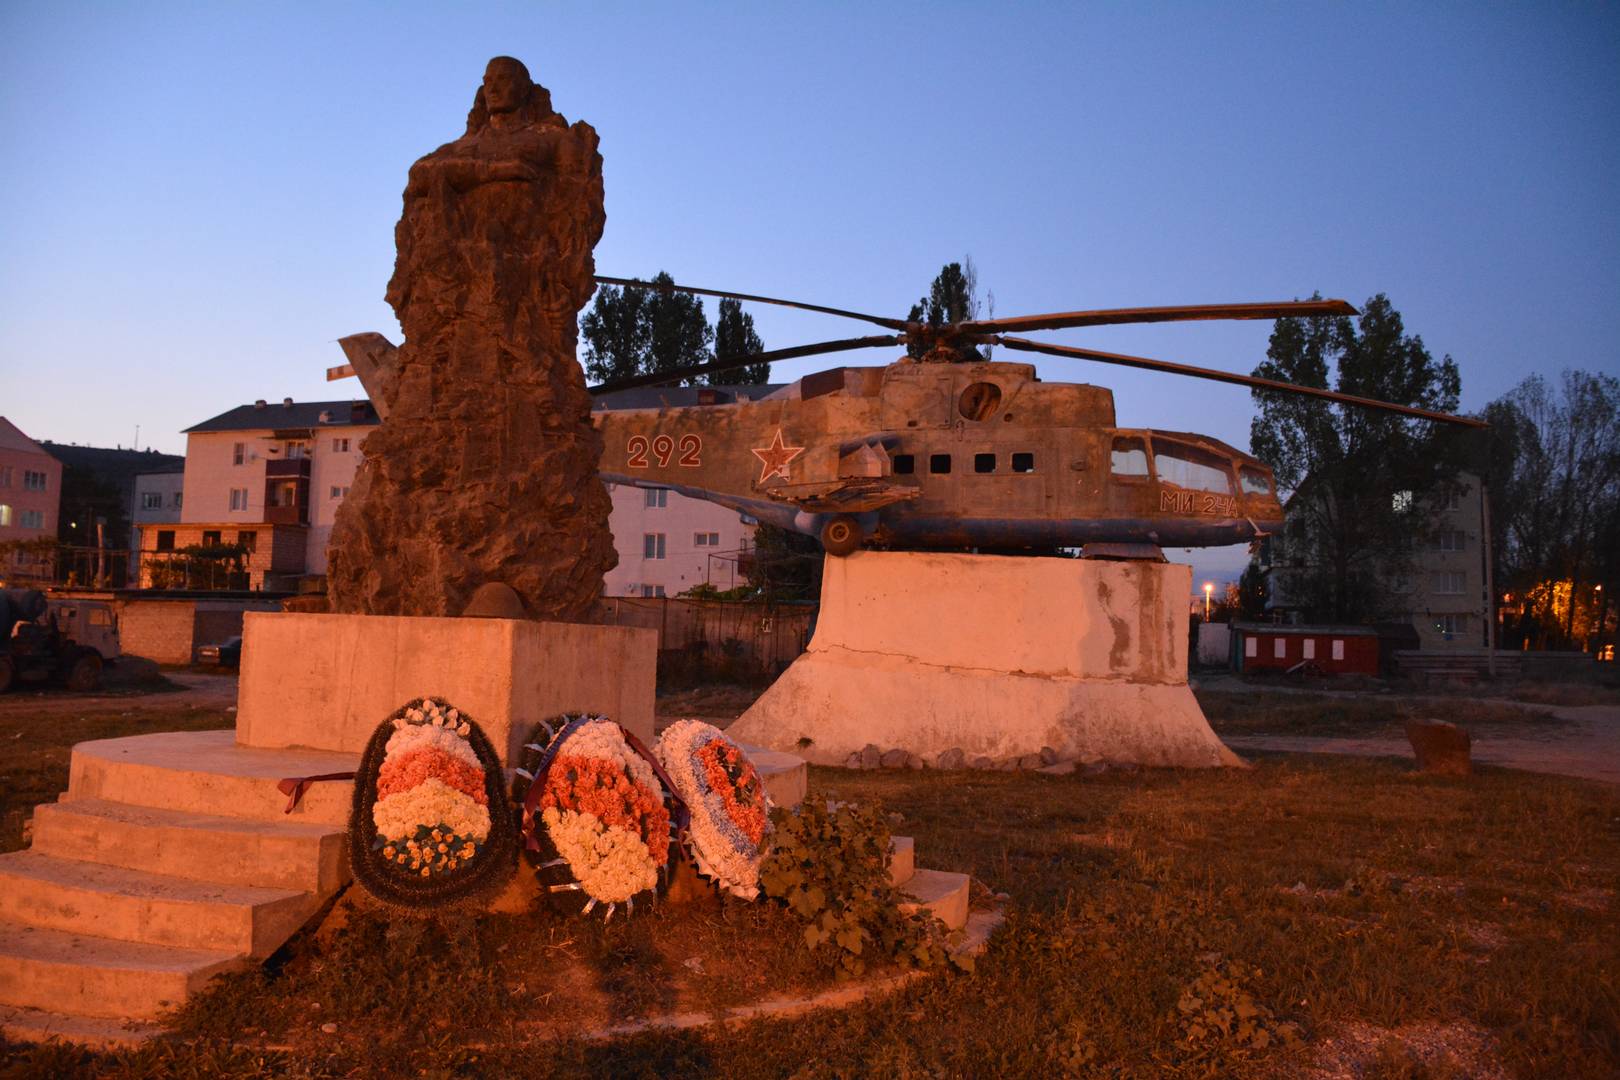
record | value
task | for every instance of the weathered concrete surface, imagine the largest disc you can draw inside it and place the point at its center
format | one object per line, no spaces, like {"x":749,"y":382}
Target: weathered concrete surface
{"x":785,"y":776}
{"x":325,"y":682}
{"x":997,"y":656}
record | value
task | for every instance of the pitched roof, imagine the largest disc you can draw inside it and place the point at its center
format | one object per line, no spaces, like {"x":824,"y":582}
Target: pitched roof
{"x":109,"y":462}
{"x":277,"y":415}
{"x":12,"y":438}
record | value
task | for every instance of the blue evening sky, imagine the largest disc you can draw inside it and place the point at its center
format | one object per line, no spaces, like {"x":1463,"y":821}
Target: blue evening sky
{"x":197,"y":199}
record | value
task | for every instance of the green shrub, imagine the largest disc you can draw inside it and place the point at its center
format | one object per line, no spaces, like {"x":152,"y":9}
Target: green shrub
{"x":831,"y":868}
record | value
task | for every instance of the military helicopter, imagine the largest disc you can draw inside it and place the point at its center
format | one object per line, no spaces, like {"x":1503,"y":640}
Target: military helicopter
{"x":949,"y":451}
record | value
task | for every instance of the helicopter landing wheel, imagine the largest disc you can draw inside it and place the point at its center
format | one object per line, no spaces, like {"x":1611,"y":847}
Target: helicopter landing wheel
{"x":841,"y":535}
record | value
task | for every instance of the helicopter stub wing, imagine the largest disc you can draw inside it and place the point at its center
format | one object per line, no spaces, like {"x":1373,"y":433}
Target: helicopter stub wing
{"x":851,"y":495}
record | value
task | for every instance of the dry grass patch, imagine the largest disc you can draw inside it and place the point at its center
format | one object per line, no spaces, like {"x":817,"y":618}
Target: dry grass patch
{"x":1256,"y":711}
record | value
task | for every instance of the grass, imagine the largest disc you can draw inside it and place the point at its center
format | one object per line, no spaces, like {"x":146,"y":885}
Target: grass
{"x":1256,"y":711}
{"x":1163,"y":923}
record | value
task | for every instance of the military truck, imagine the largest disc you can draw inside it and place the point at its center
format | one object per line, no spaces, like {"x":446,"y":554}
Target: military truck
{"x":63,"y":641}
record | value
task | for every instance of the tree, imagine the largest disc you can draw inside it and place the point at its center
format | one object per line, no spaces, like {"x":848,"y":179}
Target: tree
{"x":1357,"y":476}
{"x":644,"y":330}
{"x":1555,"y":504}
{"x":952,"y":298}
{"x":734,"y":336}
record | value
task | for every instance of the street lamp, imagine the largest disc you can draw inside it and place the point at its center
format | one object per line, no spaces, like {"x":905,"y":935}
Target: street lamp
{"x":1209,"y":587}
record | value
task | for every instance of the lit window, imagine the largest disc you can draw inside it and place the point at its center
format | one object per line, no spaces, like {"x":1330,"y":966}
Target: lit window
{"x":1189,"y":467}
{"x":5,"y":514}
{"x":1130,"y":457}
{"x":657,"y":497}
{"x":1308,"y":649}
{"x":652,"y":546}
{"x":1279,"y":648}
{"x":1338,"y":648}
{"x":1251,"y":647}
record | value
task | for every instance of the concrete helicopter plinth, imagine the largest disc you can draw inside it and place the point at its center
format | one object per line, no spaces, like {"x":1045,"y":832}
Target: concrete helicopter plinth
{"x":998,"y":656}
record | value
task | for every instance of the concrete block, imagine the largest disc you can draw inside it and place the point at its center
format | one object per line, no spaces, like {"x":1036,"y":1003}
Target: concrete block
{"x":206,"y":772}
{"x":786,"y":776}
{"x":95,"y":1032}
{"x":325,"y":682}
{"x":95,"y":976}
{"x":941,"y":893}
{"x":287,"y":854}
{"x":132,"y":905}
{"x":902,"y":860}
{"x":995,"y":656}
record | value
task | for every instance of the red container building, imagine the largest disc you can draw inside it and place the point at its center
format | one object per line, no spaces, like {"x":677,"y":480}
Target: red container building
{"x":1336,"y":650}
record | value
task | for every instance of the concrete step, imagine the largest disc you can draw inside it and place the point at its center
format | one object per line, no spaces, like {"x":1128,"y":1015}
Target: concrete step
{"x":95,"y":1032}
{"x":205,"y":772}
{"x":785,"y":776}
{"x":902,"y":860}
{"x":939,"y":892}
{"x":300,"y":855}
{"x":77,"y":976}
{"x":134,"y":905}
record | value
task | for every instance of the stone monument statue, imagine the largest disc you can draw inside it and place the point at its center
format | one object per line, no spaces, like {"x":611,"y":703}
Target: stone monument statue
{"x":483,"y":472}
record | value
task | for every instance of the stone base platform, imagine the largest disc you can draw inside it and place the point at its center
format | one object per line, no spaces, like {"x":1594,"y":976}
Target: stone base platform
{"x":995,"y":656}
{"x":324,"y":682}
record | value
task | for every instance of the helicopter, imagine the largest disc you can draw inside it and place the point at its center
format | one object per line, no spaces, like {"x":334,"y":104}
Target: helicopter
{"x":947,"y":450}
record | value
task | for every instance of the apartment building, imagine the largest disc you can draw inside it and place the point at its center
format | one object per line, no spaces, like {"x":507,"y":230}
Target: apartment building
{"x":267,"y":477}
{"x":30,"y":499}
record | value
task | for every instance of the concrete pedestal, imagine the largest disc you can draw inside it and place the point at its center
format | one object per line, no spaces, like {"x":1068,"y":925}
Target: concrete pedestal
{"x":324,"y":682}
{"x":998,"y":656}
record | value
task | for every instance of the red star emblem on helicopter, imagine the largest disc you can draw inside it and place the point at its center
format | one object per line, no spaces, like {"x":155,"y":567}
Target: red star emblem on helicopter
{"x":774,"y":458}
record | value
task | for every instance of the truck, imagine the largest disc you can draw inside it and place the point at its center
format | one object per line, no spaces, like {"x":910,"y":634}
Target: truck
{"x":57,"y":640}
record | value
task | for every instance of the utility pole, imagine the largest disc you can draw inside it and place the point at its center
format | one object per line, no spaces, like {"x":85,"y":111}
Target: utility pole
{"x":1490,"y":584}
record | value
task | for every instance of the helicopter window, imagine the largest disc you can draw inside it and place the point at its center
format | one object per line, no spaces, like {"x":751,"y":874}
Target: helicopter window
{"x":979,"y":401}
{"x":1023,"y":463}
{"x":939,"y":463}
{"x":1130,"y":457}
{"x":904,"y":464}
{"x":983,"y":463}
{"x":1254,"y":481}
{"x":1190,"y":467}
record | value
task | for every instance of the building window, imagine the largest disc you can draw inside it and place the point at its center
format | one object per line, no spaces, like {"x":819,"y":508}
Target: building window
{"x":1401,"y":501}
{"x":649,"y":592}
{"x":282,"y":493}
{"x":151,"y":500}
{"x":238,"y":453}
{"x":177,"y":500}
{"x":248,"y":539}
{"x":339,"y":492}
{"x":1308,"y":649}
{"x":1450,"y":583}
{"x":239,"y":499}
{"x":165,"y":540}
{"x":32,"y":519}
{"x":296,"y":450}
{"x":706,"y":539}
{"x":210,"y":538}
{"x":1338,"y":648}
{"x":33,"y":481}
{"x":1452,"y":540}
{"x":5,"y":475}
{"x":1450,"y":625}
{"x":1251,"y":647}
{"x":341,"y":446}
{"x":657,"y":497}
{"x":652,"y":546}
{"x":939,"y":463}
{"x":1451,"y":499}
{"x":1279,"y":648}
{"x":904,"y":464}
{"x":5,"y":514}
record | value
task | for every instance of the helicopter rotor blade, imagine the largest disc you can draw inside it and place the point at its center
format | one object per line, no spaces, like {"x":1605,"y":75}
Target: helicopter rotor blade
{"x":1187,"y":313}
{"x":631,"y":283}
{"x":1252,"y":381}
{"x":731,"y":363}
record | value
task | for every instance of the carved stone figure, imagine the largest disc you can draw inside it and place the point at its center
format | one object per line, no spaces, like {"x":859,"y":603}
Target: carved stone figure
{"x":484,"y":470}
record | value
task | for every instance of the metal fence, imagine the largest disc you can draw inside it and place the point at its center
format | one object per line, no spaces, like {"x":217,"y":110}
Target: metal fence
{"x":705,"y":639}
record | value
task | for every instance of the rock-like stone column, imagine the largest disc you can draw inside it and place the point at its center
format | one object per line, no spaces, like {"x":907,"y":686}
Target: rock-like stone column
{"x":485,"y":469}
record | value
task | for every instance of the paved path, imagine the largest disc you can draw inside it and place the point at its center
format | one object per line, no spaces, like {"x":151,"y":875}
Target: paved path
{"x":1586,"y":745}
